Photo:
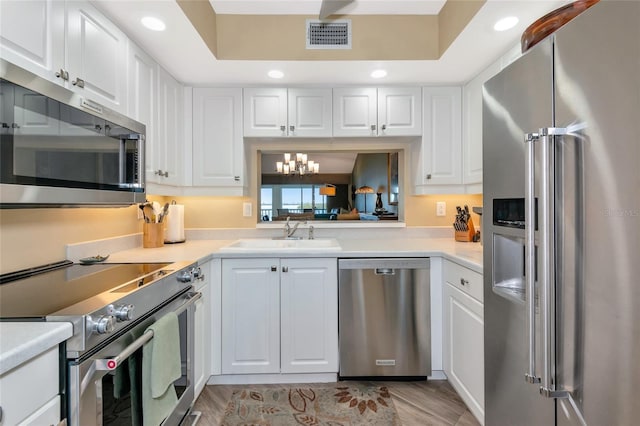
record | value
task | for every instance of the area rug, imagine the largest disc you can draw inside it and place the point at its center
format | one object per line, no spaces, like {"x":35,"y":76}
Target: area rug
{"x":337,"y":405}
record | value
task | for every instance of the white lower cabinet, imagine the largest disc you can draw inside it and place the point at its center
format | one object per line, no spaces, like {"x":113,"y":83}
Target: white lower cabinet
{"x":463,"y":335}
{"x":202,"y":330}
{"x":279,"y":316}
{"x":29,"y":393}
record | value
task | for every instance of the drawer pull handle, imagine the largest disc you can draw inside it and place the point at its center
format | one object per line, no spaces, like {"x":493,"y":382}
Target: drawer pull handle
{"x":463,"y":281}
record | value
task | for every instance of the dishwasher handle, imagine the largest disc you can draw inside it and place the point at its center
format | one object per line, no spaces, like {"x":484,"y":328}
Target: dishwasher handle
{"x":384,"y":271}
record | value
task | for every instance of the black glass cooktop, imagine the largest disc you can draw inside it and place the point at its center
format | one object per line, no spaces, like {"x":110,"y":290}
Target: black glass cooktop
{"x":33,"y":294}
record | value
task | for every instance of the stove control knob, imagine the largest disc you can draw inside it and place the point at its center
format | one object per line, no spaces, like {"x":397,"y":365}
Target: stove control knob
{"x":124,"y":312}
{"x":185,"y":276}
{"x":105,"y":324}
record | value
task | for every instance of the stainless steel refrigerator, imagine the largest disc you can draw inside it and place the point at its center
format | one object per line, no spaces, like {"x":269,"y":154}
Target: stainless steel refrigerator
{"x":561,"y":228}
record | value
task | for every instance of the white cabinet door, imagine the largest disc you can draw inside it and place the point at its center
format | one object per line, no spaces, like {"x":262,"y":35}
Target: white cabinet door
{"x":250,"y":316}
{"x":32,"y":35}
{"x":168,"y":150}
{"x":441,"y":137}
{"x":309,"y":304}
{"x":27,"y":391}
{"x":400,"y":111}
{"x":463,"y":355}
{"x":142,"y":103}
{"x":202,"y":331}
{"x":218,"y":156}
{"x":309,"y":112}
{"x":265,"y":112}
{"x":472,"y":125}
{"x":355,"y":112}
{"x":96,"y":56}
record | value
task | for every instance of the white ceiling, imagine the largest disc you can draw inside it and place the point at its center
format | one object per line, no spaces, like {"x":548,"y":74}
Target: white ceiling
{"x":181,"y":51}
{"x":312,"y":7}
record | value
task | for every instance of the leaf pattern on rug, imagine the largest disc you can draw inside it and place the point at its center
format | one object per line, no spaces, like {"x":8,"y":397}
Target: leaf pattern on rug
{"x":306,"y":419}
{"x":312,"y":406}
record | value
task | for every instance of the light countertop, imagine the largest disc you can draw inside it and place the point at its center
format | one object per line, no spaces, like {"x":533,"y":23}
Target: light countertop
{"x":21,"y":341}
{"x":466,"y":254}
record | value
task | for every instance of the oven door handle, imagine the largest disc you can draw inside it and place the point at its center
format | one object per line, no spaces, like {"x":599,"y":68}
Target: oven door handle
{"x":108,"y":364}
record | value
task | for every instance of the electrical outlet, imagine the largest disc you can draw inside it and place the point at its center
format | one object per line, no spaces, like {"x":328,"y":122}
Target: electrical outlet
{"x":246,"y":209}
{"x":441,"y":208}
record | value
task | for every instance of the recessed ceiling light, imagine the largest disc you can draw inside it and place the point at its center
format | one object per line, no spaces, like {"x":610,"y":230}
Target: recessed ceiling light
{"x":275,"y":74}
{"x":379,"y":74}
{"x":153,"y":24}
{"x":505,"y":23}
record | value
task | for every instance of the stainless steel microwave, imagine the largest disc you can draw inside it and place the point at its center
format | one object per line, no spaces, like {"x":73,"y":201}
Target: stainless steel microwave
{"x":59,"y":149}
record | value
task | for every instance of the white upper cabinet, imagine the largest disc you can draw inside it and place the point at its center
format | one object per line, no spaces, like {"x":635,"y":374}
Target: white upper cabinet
{"x":169,"y":146}
{"x":69,"y":43}
{"x":142,"y":103}
{"x":355,"y":112}
{"x":287,"y":112}
{"x":472,"y":125}
{"x":399,"y":111}
{"x":440,"y":159}
{"x":96,"y":56}
{"x":265,"y":112}
{"x":309,"y":112}
{"x":32,"y":36}
{"x":218,"y":157}
{"x":377,"y":112}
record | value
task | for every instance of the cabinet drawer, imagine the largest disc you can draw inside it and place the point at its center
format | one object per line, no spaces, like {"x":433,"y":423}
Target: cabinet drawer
{"x":28,"y":387}
{"x":464,"y":279}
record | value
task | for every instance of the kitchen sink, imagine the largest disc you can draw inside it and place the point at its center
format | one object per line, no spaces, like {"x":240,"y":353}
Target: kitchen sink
{"x":283,"y":245}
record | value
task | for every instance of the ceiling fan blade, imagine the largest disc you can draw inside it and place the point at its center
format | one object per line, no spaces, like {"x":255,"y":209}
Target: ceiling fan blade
{"x":330,"y":7}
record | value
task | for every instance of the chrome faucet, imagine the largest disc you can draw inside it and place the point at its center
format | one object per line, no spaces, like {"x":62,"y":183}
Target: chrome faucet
{"x":288,"y":230}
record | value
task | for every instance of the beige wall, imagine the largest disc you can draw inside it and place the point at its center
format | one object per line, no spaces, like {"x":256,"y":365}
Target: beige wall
{"x":31,"y":237}
{"x":226,"y":212}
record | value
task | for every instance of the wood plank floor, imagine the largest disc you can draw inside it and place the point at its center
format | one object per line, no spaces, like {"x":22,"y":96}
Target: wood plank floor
{"x":418,"y":403}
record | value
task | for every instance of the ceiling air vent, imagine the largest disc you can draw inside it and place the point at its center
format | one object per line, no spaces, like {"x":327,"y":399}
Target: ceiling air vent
{"x":329,"y":35}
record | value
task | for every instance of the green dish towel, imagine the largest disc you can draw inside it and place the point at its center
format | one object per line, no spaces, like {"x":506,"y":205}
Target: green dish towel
{"x":161,"y":366}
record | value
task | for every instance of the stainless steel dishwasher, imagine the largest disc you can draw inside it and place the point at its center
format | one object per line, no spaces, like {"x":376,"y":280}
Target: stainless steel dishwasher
{"x":384,"y":318}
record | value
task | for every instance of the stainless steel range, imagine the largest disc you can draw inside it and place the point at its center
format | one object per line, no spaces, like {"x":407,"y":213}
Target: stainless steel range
{"x":110,"y":306}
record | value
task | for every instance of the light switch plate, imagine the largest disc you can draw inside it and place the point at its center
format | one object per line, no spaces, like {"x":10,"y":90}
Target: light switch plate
{"x":246,"y":209}
{"x":441,"y":208}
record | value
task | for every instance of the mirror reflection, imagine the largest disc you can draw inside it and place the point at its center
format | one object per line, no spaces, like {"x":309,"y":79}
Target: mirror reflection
{"x":329,"y":186}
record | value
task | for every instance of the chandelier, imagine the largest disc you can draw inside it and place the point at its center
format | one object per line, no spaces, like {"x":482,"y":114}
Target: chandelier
{"x":301,"y":165}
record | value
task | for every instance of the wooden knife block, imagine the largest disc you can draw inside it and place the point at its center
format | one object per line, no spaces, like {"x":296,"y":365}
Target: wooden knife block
{"x":466,"y":236}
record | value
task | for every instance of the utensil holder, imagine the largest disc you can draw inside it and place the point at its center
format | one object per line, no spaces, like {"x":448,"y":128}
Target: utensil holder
{"x":152,"y":235}
{"x":466,"y":236}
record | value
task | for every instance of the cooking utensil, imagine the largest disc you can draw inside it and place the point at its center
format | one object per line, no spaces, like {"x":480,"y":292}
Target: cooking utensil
{"x":148,"y":213}
{"x":164,"y":212}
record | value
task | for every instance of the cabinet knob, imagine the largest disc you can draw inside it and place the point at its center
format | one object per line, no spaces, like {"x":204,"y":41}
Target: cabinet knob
{"x":373,"y":127}
{"x":78,"y":82}
{"x":274,"y":268}
{"x":384,"y":127}
{"x":161,"y":173}
{"x":236,"y":178}
{"x":429,"y":176}
{"x":292,"y":128}
{"x":283,"y":128}
{"x":463,"y":281}
{"x":63,"y":74}
{"x":285,"y":269}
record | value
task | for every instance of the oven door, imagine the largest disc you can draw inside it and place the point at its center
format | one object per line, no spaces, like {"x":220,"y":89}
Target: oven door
{"x":99,"y":394}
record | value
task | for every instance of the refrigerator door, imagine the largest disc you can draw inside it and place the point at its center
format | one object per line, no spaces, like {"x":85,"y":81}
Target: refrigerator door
{"x":517,"y":101}
{"x":597,"y":57}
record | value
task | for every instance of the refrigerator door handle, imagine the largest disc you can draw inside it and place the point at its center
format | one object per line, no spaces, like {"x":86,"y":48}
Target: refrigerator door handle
{"x":547,"y":278}
{"x":529,"y":260}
